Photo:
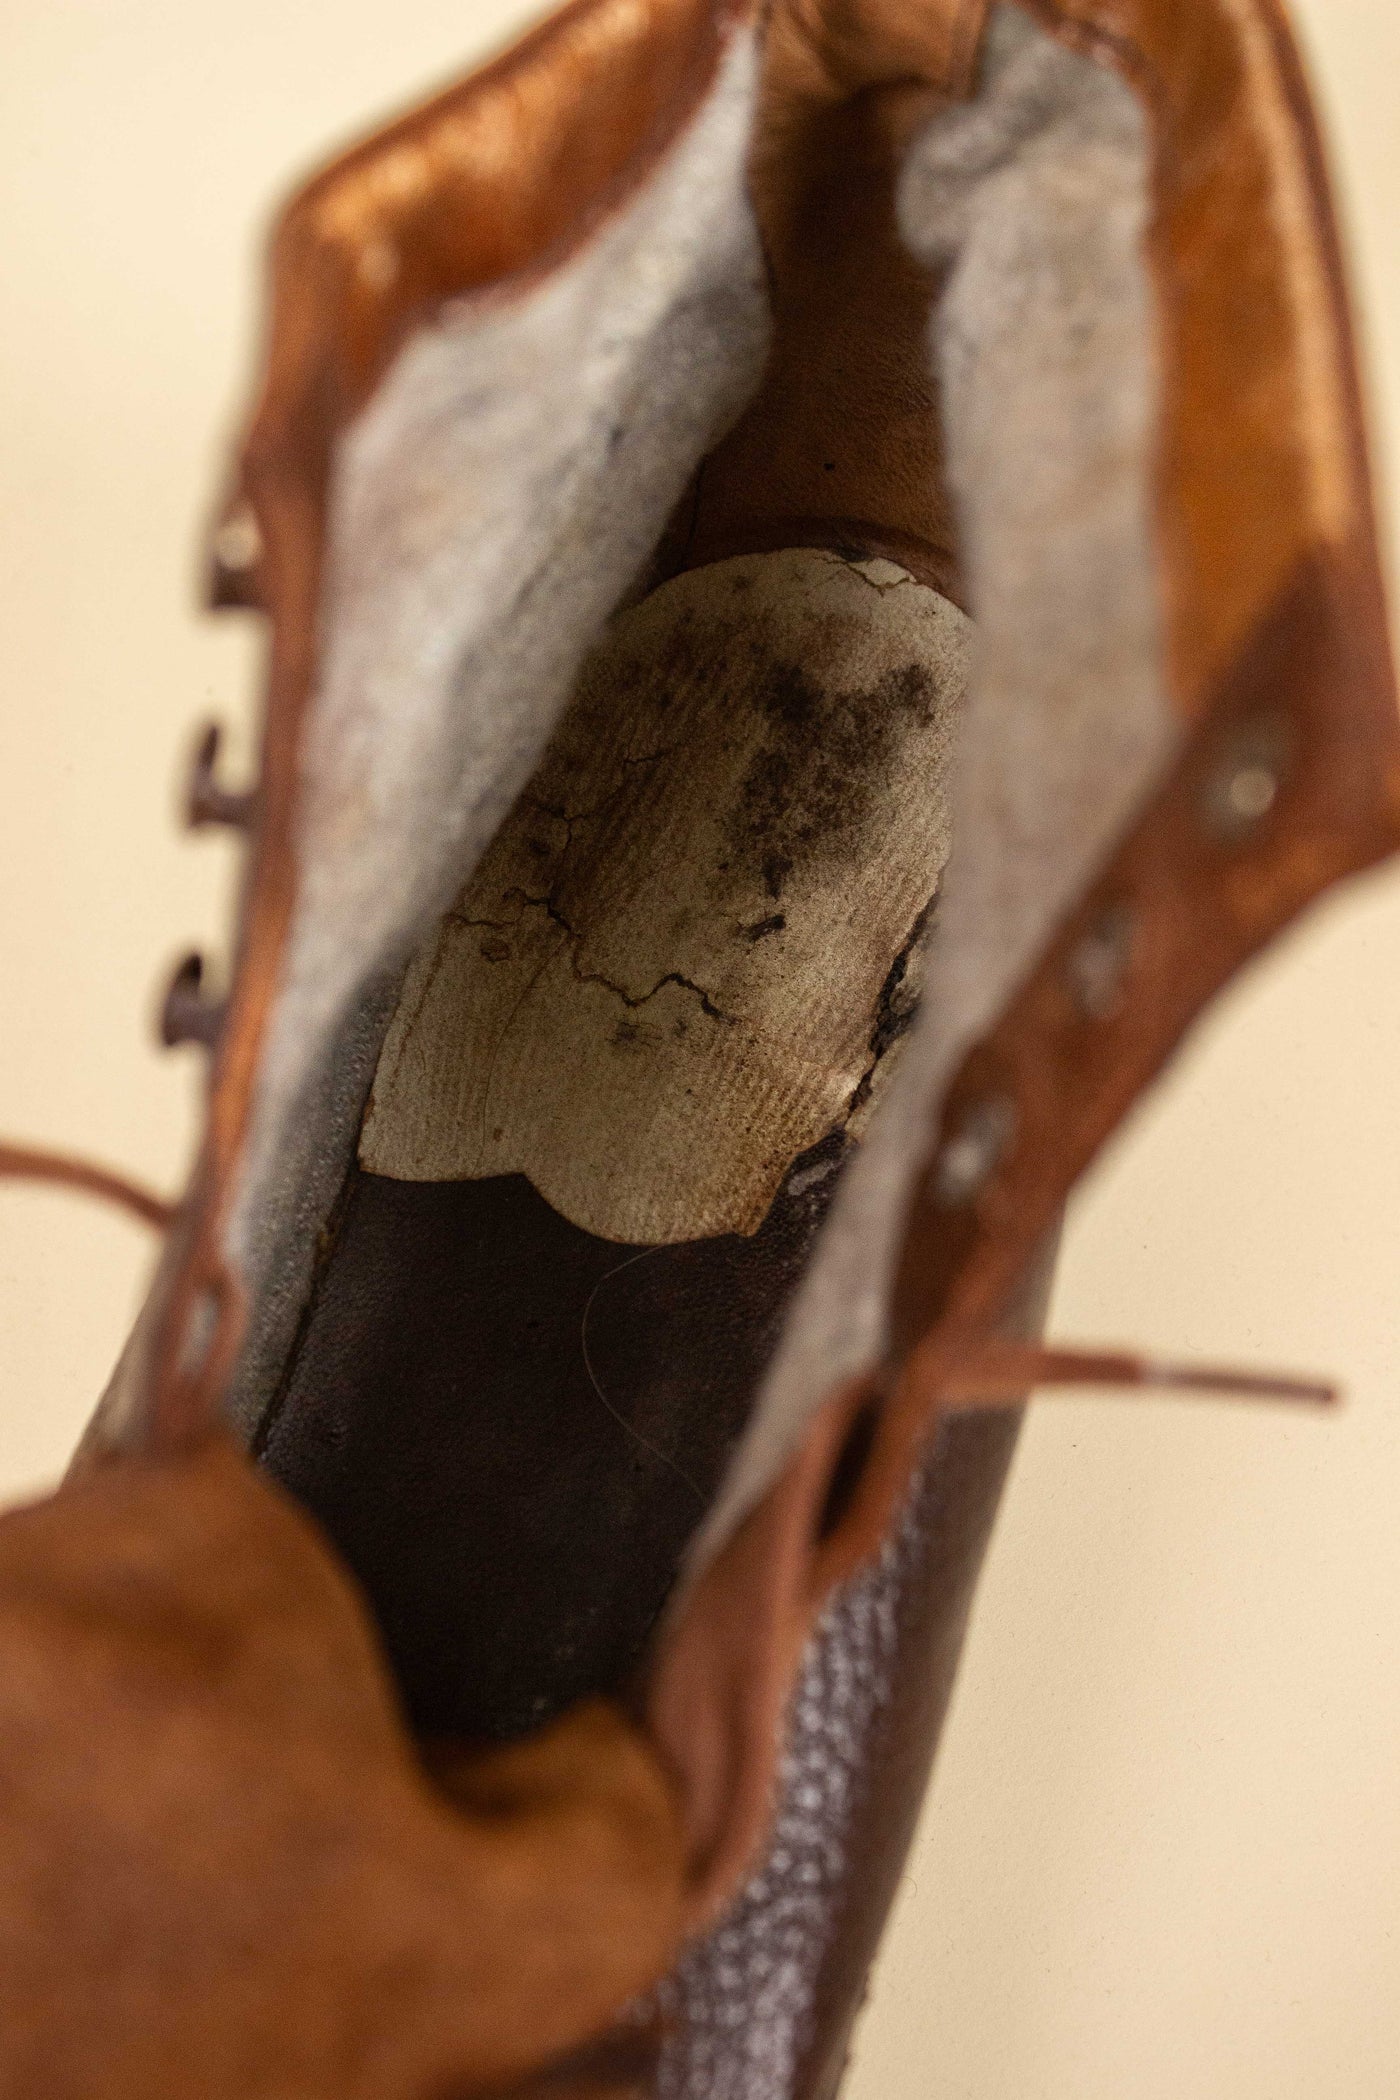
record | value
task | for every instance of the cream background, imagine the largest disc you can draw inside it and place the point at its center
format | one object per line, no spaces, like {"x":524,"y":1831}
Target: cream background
{"x":1161,"y":1856}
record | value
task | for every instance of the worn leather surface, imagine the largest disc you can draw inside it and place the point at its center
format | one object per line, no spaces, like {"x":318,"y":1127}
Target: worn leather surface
{"x":510,"y":1428}
{"x":227,"y":1874}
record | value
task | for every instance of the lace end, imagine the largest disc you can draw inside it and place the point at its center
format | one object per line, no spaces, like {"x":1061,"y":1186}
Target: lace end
{"x":995,"y":1373}
{"x":23,"y":1163}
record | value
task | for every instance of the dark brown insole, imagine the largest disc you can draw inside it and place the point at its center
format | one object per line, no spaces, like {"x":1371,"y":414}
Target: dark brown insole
{"x":511,"y":1428}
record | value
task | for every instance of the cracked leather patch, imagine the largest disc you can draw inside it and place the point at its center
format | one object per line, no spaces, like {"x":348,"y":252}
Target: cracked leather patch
{"x":689,"y":952}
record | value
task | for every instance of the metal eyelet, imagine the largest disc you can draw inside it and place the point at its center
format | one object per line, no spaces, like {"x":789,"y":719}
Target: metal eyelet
{"x":1247,"y":778}
{"x":967,"y":1159}
{"x":1098,"y":962}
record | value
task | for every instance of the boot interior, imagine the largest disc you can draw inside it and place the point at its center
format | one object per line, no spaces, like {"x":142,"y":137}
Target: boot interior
{"x":610,"y":1113}
{"x":654,"y":1039}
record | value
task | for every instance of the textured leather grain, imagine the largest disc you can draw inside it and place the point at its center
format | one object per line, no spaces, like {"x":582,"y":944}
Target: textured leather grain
{"x":764,"y":2004}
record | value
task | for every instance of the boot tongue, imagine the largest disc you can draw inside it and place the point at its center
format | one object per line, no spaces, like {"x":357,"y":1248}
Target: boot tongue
{"x":995,"y":1373}
{"x":246,"y":1863}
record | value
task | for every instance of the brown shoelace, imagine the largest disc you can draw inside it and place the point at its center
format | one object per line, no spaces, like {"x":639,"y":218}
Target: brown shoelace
{"x":985,"y":1373}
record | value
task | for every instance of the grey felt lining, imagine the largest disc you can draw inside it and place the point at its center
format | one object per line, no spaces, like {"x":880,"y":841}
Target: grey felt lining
{"x":492,"y":505}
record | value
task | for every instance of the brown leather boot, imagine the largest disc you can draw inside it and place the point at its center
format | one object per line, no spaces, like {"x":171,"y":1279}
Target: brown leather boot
{"x":821,"y":600}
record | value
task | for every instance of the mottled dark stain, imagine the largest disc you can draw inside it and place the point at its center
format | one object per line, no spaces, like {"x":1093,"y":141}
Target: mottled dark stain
{"x":776,"y":868}
{"x":829,"y":758}
{"x":628,"y":1034}
{"x":826,"y":760}
{"x":762,"y":928}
